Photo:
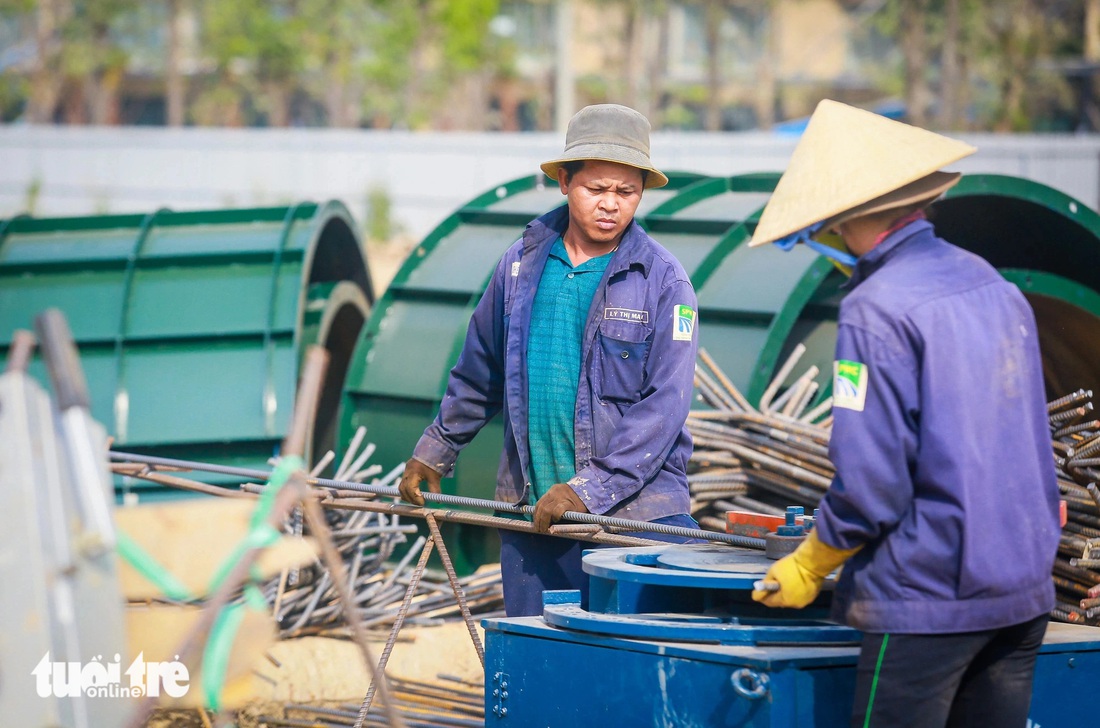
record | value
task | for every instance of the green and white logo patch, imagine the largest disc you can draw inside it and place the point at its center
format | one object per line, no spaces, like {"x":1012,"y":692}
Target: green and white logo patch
{"x":849,"y":384}
{"x":683,"y":323}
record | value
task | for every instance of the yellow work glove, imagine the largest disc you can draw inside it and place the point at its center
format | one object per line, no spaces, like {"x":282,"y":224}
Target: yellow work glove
{"x":801,"y":574}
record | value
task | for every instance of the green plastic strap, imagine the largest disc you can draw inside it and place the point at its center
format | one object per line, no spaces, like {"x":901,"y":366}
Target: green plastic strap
{"x":219,"y":646}
{"x":151,"y":569}
{"x":215,"y":656}
{"x":275,"y":482}
{"x":254,"y":598}
{"x":259,"y":537}
{"x":261,"y":534}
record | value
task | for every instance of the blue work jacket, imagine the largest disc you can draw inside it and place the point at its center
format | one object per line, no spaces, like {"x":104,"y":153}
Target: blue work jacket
{"x":635,"y":389}
{"x":944,"y":468}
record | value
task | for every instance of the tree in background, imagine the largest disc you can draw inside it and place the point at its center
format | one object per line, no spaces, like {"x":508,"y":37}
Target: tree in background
{"x":79,"y":57}
{"x":1018,"y":34}
{"x":94,"y":60}
{"x":257,"y":55}
{"x":980,"y":65}
{"x":437,"y":64}
{"x":174,"y":84}
{"x":15,"y":88}
{"x":1090,"y":47}
{"x":333,"y":34}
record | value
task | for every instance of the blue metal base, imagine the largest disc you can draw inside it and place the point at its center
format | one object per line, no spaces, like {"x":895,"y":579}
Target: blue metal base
{"x":539,"y":675}
{"x":563,"y":609}
{"x":672,"y":638}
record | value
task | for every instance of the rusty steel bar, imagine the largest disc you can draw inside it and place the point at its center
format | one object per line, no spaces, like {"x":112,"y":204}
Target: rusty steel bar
{"x":1069,"y":400}
{"x":722,"y":379}
{"x":453,"y":578}
{"x":20,"y":351}
{"x":318,"y":526}
{"x":398,"y":623}
{"x":392,"y":491}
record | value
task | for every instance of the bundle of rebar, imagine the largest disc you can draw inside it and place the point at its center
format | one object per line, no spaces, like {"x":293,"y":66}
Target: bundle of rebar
{"x":759,"y":458}
{"x":306,"y":603}
{"x":1076,"y":442}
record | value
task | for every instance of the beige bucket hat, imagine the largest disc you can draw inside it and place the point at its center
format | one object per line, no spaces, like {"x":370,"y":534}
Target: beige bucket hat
{"x":610,"y":133}
{"x":851,"y":162}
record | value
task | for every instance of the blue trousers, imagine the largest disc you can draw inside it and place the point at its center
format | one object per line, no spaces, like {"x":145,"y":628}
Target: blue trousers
{"x":531,"y":563}
{"x":969,"y":679}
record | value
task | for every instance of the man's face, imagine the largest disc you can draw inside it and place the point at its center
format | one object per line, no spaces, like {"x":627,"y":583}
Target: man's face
{"x":602,"y":199}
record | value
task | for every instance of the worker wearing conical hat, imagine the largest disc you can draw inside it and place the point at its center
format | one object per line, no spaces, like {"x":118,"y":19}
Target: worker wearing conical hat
{"x":944,"y":507}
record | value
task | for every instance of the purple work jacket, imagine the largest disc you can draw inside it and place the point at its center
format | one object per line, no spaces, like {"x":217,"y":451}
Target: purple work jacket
{"x":944,"y":469}
{"x":635,"y":389}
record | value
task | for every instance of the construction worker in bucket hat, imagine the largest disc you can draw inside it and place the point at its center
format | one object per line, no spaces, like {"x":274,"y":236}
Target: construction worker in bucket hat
{"x":585,"y":340}
{"x":944,"y":507}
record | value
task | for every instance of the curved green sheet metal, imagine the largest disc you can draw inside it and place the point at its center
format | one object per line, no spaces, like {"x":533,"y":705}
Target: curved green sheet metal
{"x":1048,"y":244}
{"x":752,"y":303}
{"x":190,"y":325}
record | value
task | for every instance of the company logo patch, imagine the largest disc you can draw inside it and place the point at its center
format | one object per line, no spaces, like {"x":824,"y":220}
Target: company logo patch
{"x":626,"y":314}
{"x":683,"y":323}
{"x":515,"y":269}
{"x":849,"y":384}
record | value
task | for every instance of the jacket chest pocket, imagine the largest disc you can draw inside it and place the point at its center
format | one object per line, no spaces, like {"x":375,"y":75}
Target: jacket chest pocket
{"x":621,"y":353}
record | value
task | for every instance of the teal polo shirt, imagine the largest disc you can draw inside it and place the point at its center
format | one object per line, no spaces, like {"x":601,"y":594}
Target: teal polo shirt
{"x":558,"y":316}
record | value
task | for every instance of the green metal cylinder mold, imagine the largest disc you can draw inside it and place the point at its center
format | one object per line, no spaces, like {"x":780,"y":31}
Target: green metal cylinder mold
{"x":755,"y":305}
{"x":191,"y":325}
{"x":1048,"y":244}
{"x":749,"y":301}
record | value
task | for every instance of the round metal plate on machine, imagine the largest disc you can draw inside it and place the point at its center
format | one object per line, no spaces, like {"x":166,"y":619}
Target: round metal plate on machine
{"x":708,"y":566}
{"x":751,"y":565}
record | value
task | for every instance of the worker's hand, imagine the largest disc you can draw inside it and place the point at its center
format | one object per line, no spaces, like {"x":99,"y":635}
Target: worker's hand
{"x":559,"y":499}
{"x":801,"y":574}
{"x":416,"y":471}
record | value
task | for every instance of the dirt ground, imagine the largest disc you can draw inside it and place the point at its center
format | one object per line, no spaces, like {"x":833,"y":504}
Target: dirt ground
{"x":322,"y":671}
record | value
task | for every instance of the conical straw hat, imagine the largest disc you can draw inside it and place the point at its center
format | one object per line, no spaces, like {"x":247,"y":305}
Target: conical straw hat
{"x":846,"y":158}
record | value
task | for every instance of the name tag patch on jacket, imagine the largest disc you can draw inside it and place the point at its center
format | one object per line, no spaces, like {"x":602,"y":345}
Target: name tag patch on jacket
{"x":683,"y":323}
{"x":849,"y":384}
{"x":626,"y":314}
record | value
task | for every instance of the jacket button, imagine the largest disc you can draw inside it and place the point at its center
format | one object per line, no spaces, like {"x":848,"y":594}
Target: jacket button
{"x":625,"y":355}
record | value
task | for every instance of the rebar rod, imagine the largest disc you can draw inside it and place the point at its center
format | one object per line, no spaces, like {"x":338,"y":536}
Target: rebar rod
{"x":781,"y":376}
{"x":315,"y":519}
{"x":456,"y":587}
{"x":722,"y":379}
{"x":447,"y":499}
{"x":397,"y":624}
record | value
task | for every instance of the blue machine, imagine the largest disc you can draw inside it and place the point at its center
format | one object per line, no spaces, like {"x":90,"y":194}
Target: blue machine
{"x":671,"y":637}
